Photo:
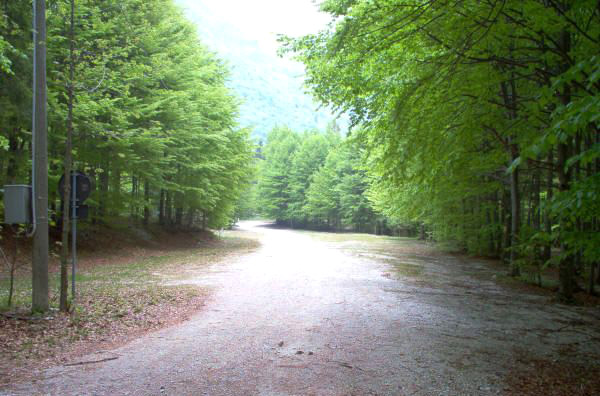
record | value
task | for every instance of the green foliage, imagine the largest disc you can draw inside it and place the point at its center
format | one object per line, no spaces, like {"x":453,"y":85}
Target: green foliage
{"x":154,"y":123}
{"x":315,"y":180}
{"x":307,"y":159}
{"x":274,"y":184}
{"x":6,"y":49}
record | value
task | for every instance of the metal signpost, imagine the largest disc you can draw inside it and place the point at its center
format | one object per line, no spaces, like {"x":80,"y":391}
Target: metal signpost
{"x":81,"y":187}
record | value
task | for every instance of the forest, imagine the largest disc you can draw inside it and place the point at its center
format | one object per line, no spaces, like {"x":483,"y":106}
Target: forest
{"x":135,"y":101}
{"x":482,"y":123}
{"x":426,"y":222}
{"x":477,"y":127}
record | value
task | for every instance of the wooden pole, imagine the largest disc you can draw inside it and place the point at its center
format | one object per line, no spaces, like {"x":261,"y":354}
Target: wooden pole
{"x":40,"y":165}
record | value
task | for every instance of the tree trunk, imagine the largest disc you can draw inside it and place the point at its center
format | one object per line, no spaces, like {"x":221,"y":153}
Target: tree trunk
{"x":161,"y":207}
{"x":506,"y":215}
{"x":134,"y":196}
{"x":178,"y":209}
{"x":115,"y":189}
{"x":190,"y":217}
{"x":13,"y":154}
{"x":169,"y":208}
{"x":13,"y":265}
{"x":536,"y":220}
{"x":509,"y":96}
{"x":146,"y":203}
{"x":64,"y":252}
{"x":93,"y":209}
{"x":498,"y":228}
{"x":549,"y":196}
{"x":592,"y":226}
{"x":566,"y":268}
{"x":578,"y":256}
{"x":103,"y":190}
{"x":489,"y":218}
{"x":422,"y":232}
{"x":515,"y":204}
{"x":591,"y":280}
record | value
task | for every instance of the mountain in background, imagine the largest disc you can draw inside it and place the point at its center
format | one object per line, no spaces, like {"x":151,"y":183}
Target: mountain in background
{"x":270,"y":87}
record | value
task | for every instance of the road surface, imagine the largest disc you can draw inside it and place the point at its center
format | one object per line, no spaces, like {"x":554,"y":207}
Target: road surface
{"x":320,"y":314}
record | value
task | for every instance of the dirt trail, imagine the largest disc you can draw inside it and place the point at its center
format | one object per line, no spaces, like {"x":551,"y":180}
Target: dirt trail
{"x":305,"y":317}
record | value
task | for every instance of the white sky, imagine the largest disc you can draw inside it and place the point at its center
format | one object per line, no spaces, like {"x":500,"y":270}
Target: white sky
{"x":264,"y":19}
{"x":261,"y":21}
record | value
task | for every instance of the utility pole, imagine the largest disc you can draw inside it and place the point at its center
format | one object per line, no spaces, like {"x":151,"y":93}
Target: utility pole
{"x":40,"y":162}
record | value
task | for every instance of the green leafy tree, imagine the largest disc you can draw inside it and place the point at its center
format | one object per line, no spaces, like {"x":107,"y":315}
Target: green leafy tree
{"x":307,"y":159}
{"x":274,"y":184}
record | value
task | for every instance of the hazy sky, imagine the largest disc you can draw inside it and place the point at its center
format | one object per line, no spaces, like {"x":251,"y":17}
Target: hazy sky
{"x":264,"y":19}
{"x":244,"y":32}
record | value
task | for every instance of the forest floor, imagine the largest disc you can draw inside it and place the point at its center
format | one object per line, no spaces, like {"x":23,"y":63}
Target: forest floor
{"x":121,"y":295}
{"x":347,"y":314}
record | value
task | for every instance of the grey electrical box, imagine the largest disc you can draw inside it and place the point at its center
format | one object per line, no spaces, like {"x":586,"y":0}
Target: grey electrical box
{"x":17,"y":204}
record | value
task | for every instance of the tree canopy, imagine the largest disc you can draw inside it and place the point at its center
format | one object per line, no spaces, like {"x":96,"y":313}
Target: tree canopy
{"x":154,"y":123}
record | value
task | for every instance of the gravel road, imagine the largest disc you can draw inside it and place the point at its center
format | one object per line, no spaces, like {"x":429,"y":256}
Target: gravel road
{"x":311,"y":315}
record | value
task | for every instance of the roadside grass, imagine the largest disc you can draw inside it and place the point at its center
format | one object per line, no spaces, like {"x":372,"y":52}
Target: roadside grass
{"x":115,"y":300}
{"x":352,"y":237}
